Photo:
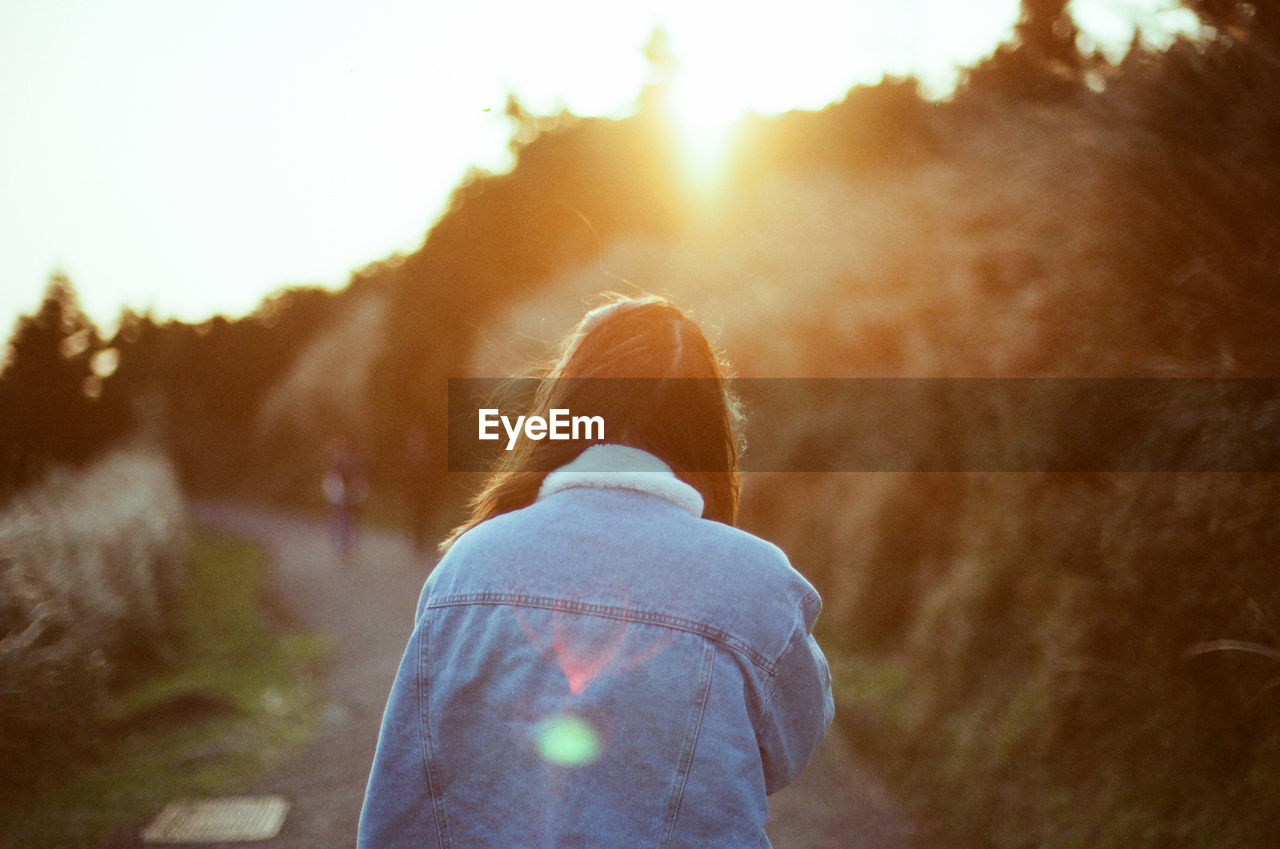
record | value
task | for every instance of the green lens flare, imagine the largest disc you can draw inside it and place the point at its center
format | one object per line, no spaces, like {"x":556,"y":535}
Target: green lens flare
{"x":568,"y":740}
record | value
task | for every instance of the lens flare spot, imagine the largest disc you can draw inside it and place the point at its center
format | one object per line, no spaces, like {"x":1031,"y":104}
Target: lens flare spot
{"x":568,"y":740}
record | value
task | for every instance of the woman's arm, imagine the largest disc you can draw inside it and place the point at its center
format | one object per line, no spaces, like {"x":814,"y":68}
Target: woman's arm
{"x":798,"y":713}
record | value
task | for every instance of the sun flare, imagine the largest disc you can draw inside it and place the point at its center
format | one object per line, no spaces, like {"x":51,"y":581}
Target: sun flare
{"x":704,"y":122}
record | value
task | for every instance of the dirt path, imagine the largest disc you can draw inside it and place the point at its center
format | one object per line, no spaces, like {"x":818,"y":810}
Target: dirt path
{"x":366,"y":610}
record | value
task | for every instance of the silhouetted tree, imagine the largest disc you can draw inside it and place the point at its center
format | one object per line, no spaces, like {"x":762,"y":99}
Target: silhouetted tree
{"x":881,"y":126}
{"x":1046,"y":30}
{"x":1042,"y":63}
{"x":201,"y":386}
{"x":51,"y":389}
{"x":1239,"y":19}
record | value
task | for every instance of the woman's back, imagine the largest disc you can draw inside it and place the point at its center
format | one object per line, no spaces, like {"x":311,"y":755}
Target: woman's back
{"x":594,"y":663}
{"x":602,"y":668}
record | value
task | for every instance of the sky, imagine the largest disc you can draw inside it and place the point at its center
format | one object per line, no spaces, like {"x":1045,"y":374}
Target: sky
{"x":190,"y":158}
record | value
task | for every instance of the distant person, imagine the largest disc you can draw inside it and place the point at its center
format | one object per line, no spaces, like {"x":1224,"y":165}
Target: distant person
{"x":601,"y":659}
{"x":345,"y":488}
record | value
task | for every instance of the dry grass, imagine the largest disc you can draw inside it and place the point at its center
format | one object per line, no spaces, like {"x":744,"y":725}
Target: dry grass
{"x":90,"y":566}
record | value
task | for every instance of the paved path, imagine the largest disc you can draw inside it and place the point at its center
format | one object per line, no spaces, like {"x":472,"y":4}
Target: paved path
{"x":366,"y":610}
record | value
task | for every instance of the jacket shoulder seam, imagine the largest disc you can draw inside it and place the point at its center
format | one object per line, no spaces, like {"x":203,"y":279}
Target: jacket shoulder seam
{"x":619,"y":612}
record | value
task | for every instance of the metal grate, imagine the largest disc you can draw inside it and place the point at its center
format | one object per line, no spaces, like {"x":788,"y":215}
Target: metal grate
{"x":233,"y":819}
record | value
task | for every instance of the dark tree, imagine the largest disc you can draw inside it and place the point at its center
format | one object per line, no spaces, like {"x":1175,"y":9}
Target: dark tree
{"x":51,"y":388}
{"x":1241,"y":20}
{"x":1042,"y":63}
{"x":1046,"y":31}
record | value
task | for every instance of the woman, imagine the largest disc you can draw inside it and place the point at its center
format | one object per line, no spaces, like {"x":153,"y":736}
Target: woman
{"x":601,"y":659}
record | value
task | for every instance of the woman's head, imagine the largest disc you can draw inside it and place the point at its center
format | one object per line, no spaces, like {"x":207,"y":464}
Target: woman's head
{"x":648,"y":371}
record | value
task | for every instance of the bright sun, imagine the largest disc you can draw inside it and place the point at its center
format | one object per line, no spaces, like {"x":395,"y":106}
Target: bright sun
{"x":704,"y":121}
{"x":723,"y":64}
{"x":708,"y":93}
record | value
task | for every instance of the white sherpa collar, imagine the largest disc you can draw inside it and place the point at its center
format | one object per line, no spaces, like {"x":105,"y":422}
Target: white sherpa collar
{"x":623,"y":467}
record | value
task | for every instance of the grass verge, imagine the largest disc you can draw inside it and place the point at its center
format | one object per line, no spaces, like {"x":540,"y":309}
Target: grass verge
{"x":238,"y":694}
{"x":979,"y":776}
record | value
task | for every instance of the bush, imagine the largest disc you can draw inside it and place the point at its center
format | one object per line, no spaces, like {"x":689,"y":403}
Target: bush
{"x":89,"y":565}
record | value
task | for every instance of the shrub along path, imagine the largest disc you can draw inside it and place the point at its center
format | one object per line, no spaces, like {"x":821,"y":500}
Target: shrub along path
{"x":366,"y":610}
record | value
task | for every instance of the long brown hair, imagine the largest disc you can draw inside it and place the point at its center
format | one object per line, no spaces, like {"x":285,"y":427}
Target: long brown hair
{"x":647,"y":370}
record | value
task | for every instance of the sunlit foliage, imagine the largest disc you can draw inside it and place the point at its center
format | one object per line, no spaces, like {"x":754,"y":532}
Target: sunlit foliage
{"x":1064,"y":647}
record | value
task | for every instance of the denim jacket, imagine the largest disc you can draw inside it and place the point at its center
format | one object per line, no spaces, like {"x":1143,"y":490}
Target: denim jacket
{"x":603,"y":669}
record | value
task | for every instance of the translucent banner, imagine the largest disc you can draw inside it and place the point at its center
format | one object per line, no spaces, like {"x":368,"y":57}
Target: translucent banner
{"x":895,"y":424}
